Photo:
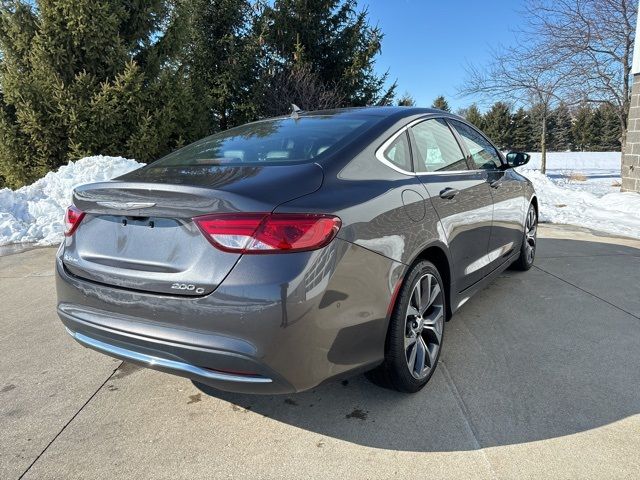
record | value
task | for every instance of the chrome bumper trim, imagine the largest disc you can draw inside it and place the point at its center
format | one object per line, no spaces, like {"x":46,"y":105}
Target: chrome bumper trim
{"x":158,"y":362}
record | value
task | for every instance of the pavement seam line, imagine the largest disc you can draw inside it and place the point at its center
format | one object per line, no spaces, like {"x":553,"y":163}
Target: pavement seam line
{"x":48,"y":275}
{"x":69,"y":421}
{"x":587,"y":292}
{"x":465,"y":414}
{"x":22,"y":251}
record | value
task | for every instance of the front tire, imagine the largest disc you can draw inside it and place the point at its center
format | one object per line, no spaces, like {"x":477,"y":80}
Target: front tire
{"x":529,"y":241}
{"x":416,"y":330}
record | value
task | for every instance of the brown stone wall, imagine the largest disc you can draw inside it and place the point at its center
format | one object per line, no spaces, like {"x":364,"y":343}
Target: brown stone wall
{"x":631,"y":155}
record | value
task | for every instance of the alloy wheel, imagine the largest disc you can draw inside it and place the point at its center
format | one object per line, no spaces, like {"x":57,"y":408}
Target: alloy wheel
{"x":424,"y":322}
{"x":531,"y":228}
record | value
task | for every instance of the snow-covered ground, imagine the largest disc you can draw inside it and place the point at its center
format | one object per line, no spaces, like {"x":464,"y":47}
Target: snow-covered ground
{"x":581,"y":188}
{"x":35,"y":213}
{"x":601,"y":170}
{"x":598,"y":162}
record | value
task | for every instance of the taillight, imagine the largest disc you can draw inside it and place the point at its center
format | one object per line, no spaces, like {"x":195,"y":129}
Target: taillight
{"x":72,"y":219}
{"x":268,"y":232}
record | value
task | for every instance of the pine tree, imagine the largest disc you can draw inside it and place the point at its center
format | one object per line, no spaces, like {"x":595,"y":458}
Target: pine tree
{"x":302,"y":87}
{"x":536,"y":113}
{"x":498,"y":126}
{"x":595,"y":130}
{"x":222,"y":55}
{"x":406,"y":100}
{"x":560,"y":132}
{"x":473,"y":116}
{"x":441,"y":104}
{"x":83,"y":77}
{"x":611,"y":130}
{"x":522,"y":140}
{"x":333,"y":39}
{"x":580,"y":129}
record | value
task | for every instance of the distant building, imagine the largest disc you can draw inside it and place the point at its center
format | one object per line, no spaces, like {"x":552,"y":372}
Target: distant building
{"x":631,"y":154}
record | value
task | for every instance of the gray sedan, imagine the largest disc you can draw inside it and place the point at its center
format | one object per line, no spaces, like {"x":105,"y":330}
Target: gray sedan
{"x":273,"y":256}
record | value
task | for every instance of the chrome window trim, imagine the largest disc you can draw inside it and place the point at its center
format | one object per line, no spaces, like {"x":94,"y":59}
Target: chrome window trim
{"x":381,"y":149}
{"x":382,"y":159}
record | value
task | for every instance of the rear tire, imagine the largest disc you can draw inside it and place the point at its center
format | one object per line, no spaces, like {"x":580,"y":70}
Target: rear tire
{"x":529,"y":241}
{"x":416,"y":329}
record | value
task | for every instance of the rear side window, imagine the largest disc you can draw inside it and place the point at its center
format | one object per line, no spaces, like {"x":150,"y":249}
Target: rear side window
{"x":398,"y":153}
{"x":437,"y":148}
{"x":483,"y":154}
{"x":275,"y":141}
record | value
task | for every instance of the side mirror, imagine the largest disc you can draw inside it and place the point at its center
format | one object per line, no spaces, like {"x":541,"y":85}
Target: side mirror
{"x":517,"y":159}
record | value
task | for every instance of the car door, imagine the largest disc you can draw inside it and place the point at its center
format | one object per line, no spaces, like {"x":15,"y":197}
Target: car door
{"x":508,"y":200}
{"x":460,"y":196}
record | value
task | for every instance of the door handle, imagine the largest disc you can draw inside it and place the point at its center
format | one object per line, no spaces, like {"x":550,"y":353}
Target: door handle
{"x":449,"y":193}
{"x":496,"y":183}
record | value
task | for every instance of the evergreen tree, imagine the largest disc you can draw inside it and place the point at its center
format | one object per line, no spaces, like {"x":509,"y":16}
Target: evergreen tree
{"x":522,"y":139}
{"x":406,"y":100}
{"x":611,"y":133}
{"x":302,"y":87}
{"x":580,"y":129}
{"x":81,"y":77}
{"x":559,"y":130}
{"x":551,"y":128}
{"x":498,"y":126}
{"x":536,"y":113}
{"x":595,"y":129}
{"x":222,"y":54}
{"x":441,"y":104}
{"x":333,"y":39}
{"x":473,"y":116}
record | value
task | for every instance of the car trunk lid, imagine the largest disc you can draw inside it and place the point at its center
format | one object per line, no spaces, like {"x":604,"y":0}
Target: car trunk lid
{"x":138,"y":231}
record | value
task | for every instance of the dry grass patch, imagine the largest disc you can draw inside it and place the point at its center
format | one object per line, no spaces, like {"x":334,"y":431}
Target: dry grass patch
{"x":577,"y":177}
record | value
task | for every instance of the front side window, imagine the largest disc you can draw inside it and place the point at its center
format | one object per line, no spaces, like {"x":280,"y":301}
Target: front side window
{"x":275,"y":141}
{"x":483,"y":154}
{"x":398,"y":153}
{"x":437,"y":148}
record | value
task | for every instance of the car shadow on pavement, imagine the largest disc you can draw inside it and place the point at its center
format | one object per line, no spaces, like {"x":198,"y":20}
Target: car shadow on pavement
{"x":543,"y":354}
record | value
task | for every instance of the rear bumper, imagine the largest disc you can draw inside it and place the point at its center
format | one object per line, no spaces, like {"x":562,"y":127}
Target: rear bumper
{"x":229,"y":380}
{"x":180,"y":368}
{"x":270,"y":327}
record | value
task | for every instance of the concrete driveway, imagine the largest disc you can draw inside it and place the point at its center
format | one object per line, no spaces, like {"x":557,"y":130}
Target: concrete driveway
{"x":539,"y":378}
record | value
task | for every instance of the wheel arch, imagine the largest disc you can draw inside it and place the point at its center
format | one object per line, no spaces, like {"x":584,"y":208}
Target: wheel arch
{"x":438,"y":255}
{"x":534,"y":202}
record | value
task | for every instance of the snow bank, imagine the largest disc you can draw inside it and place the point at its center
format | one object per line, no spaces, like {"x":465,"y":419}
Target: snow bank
{"x":577,"y":161}
{"x":616,"y":213}
{"x":594,"y":201}
{"x":35,"y":213}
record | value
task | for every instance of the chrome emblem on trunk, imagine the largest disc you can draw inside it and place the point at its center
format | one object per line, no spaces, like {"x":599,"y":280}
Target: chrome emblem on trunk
{"x":188,"y":287}
{"x":126,"y":205}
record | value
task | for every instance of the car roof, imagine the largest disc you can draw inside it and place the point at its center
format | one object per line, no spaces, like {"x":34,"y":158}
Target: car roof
{"x":375,"y":111}
{"x":388,"y":113}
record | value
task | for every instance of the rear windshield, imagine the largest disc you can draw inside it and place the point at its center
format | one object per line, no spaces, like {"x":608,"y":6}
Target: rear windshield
{"x":270,"y":142}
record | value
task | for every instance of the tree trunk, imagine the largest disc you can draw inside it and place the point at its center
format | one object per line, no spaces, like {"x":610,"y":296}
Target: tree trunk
{"x":623,"y":130}
{"x":626,"y":96}
{"x":543,"y":145}
{"x":223,"y":120}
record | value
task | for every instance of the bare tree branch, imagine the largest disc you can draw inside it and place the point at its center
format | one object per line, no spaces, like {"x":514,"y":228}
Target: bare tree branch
{"x":525,"y":74}
{"x":596,"y":37}
{"x":570,"y":50}
{"x":300,"y":86}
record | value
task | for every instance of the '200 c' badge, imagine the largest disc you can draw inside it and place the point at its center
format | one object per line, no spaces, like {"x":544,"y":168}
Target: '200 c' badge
{"x":187,"y":287}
